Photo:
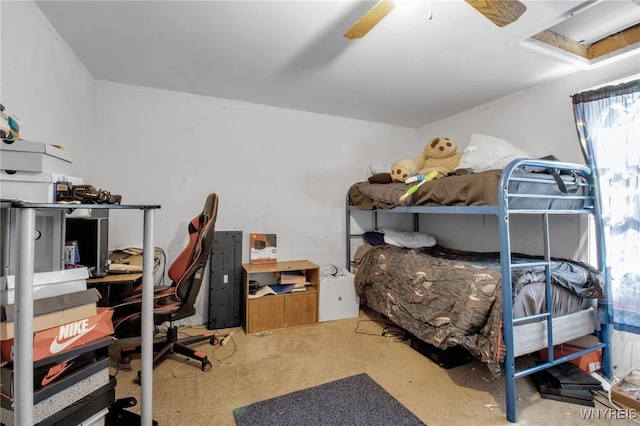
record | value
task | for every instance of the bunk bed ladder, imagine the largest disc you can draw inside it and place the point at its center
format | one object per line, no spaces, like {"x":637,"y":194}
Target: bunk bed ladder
{"x":507,"y":265}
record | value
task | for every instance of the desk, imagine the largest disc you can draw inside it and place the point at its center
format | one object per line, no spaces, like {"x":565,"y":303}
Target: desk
{"x":24,"y":305}
{"x":105,"y":286}
{"x":122,"y":281}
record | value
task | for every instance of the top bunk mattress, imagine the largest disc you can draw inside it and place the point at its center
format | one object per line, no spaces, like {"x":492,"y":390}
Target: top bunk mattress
{"x":546,"y":190}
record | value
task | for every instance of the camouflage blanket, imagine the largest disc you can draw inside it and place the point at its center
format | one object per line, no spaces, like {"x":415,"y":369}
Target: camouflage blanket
{"x":448,"y":297}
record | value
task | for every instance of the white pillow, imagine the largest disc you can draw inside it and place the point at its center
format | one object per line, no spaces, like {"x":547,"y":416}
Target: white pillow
{"x":408,"y":239}
{"x":488,"y":153}
{"x":377,"y":168}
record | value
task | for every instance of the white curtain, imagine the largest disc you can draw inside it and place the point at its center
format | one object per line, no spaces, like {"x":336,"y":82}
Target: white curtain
{"x":608,"y":125}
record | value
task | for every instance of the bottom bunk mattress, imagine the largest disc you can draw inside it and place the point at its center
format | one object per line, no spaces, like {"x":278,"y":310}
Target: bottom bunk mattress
{"x":448,"y":297}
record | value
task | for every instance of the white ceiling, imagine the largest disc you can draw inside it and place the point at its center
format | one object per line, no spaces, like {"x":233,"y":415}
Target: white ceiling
{"x":408,"y":71}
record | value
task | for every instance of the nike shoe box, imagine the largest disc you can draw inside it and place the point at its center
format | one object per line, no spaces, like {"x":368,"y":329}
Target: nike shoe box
{"x":59,"y":398}
{"x":52,"y":311}
{"x":48,"y":372}
{"x":55,"y":340}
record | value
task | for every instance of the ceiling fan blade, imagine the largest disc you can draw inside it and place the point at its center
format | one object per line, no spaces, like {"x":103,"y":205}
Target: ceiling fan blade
{"x":500,"y":12}
{"x":370,"y":19}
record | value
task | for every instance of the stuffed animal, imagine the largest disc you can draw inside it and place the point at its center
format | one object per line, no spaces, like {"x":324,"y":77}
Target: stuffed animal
{"x":440,"y":156}
{"x":404,"y":169}
{"x":9,"y":126}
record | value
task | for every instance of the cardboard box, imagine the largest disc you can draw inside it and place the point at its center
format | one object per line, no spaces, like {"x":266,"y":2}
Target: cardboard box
{"x":67,"y":336}
{"x":590,"y":362}
{"x":627,"y":390}
{"x":52,"y":319}
{"x":54,"y":303}
{"x":47,"y":284}
{"x":37,"y":187}
{"x":27,"y":156}
{"x":263,"y":249}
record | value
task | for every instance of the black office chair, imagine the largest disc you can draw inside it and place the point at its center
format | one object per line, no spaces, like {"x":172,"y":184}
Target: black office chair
{"x":176,"y":301}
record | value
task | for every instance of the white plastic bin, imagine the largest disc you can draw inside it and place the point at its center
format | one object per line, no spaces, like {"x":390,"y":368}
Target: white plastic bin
{"x":338,"y":299}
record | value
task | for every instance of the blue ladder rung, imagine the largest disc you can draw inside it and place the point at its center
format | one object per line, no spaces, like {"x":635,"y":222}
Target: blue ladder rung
{"x":543,"y":315}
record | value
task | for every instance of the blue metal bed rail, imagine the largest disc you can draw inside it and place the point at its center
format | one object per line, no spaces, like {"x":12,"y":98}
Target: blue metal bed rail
{"x":590,"y":206}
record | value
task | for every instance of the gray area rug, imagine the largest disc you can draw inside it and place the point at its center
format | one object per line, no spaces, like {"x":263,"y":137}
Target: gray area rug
{"x":356,"y":400}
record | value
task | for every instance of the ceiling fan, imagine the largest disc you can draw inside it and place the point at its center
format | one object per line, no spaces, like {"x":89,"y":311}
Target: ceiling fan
{"x":500,"y":12}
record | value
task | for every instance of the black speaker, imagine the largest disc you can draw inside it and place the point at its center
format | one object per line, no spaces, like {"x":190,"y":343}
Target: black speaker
{"x":225,"y":281}
{"x":92,"y":237}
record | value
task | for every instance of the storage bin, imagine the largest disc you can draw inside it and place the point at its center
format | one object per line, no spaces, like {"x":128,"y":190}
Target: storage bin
{"x":338,"y":299}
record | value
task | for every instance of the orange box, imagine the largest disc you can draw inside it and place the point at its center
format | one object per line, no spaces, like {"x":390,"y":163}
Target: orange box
{"x":263,"y":249}
{"x":66,"y":336}
{"x":590,"y":362}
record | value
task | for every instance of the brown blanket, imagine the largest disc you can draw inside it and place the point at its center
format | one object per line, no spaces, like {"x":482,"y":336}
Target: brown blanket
{"x":448,"y":297}
{"x":457,"y":190}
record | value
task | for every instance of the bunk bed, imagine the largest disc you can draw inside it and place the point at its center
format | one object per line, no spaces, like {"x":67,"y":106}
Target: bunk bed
{"x":496,"y":329}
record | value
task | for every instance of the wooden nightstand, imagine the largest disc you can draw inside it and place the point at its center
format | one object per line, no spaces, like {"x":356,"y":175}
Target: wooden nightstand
{"x":273,"y":312}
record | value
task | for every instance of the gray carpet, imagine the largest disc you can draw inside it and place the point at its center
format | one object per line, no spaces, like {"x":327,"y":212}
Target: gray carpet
{"x":356,"y":400}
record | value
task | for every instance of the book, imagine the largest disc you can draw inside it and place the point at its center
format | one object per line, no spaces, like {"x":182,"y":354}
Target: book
{"x":292,"y":277}
{"x":261,"y":291}
{"x":290,"y":288}
{"x":276,"y":289}
{"x":300,"y":287}
{"x":282,"y":288}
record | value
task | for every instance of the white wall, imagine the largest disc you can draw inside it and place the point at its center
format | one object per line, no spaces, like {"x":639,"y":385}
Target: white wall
{"x":275,"y":170}
{"x":539,"y":119}
{"x":44,"y":84}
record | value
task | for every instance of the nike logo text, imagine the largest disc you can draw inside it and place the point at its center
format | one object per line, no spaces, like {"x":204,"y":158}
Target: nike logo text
{"x":72,"y":332}
{"x":55,"y":371}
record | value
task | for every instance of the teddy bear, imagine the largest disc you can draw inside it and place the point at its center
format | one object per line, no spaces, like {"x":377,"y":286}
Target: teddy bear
{"x":404,"y":169}
{"x":439,"y":154}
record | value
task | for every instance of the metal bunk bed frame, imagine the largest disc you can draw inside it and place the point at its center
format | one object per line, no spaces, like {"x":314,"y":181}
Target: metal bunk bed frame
{"x":591,"y":206}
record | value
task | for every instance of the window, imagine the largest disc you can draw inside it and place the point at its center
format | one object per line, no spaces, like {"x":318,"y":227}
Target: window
{"x":608,"y":125}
